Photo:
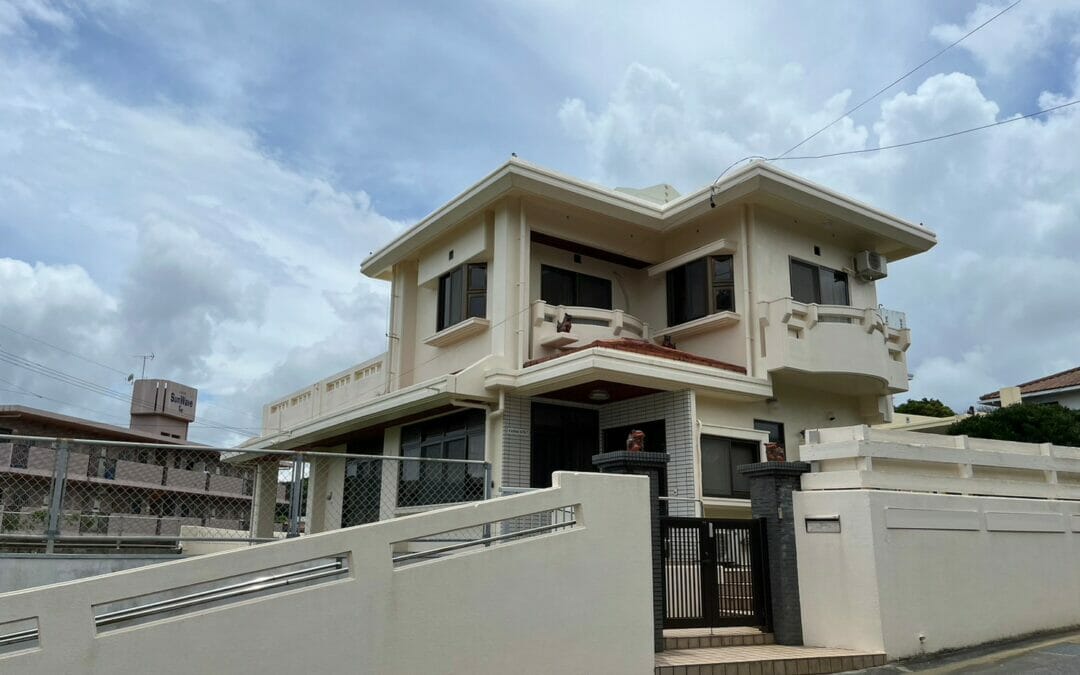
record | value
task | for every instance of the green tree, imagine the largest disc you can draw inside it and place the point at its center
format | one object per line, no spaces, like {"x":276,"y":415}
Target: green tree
{"x":931,"y":407}
{"x":1026,"y":423}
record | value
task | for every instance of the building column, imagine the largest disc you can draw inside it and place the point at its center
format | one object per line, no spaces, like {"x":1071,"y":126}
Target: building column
{"x":326,"y":482}
{"x":264,"y":498}
{"x":651,"y":464}
{"x":388,"y":486}
{"x":771,"y":485}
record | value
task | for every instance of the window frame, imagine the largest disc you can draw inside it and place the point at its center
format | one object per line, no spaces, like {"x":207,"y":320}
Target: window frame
{"x":818,"y":270}
{"x":754,"y":447}
{"x":448,"y":303}
{"x":781,"y":434}
{"x":442,"y":437}
{"x":712,"y":287}
{"x":577,"y":278}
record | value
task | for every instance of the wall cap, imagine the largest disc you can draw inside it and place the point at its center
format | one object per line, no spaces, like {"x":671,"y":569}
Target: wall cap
{"x":761,"y":469}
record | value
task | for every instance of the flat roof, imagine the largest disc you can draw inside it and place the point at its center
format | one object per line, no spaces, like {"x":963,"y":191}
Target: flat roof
{"x":758,"y":181}
{"x":114,"y":432}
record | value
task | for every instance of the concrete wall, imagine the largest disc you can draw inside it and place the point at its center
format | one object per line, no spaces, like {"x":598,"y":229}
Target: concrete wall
{"x":573,"y":601}
{"x":29,"y":570}
{"x":909,"y":571}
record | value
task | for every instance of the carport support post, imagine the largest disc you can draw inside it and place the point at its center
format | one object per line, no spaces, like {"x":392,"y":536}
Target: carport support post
{"x":651,"y":464}
{"x":771,"y":485}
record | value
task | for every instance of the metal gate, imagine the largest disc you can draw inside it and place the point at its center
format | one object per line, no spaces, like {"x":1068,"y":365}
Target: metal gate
{"x":714,"y":573}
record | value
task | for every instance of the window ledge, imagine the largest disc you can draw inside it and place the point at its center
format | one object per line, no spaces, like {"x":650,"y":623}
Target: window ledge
{"x":559,"y":340}
{"x":705,"y":323}
{"x":458,"y":332}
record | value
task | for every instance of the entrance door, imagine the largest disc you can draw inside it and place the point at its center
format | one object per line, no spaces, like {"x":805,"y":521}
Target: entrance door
{"x":714,"y":573}
{"x":563,"y":439}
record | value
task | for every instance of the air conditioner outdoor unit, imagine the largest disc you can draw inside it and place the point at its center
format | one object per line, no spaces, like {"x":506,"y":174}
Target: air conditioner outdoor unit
{"x":870,"y":266}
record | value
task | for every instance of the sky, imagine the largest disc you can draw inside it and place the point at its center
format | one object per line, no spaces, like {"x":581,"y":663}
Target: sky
{"x":201,"y":180}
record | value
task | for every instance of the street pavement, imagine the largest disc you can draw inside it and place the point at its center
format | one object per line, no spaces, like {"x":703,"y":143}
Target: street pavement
{"x":1046,"y":655}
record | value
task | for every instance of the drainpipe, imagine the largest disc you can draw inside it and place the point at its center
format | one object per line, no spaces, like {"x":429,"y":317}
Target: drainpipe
{"x":751,"y":323}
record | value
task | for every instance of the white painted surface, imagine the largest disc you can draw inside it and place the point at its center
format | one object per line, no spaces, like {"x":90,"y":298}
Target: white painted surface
{"x":576,"y":601}
{"x":19,"y":571}
{"x":957,"y":570}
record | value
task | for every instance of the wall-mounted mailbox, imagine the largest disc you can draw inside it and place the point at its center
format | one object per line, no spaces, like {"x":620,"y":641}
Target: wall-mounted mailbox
{"x":825,"y":525}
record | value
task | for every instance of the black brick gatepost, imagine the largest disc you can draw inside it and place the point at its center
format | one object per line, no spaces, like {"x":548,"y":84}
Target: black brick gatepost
{"x":771,"y":485}
{"x":651,"y":464}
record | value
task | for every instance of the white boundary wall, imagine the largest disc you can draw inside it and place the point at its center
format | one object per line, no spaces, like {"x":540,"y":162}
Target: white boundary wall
{"x":912,"y":570}
{"x":571,"y":601}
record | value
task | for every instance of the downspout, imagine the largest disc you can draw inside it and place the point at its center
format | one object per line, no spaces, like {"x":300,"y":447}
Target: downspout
{"x":524,"y":323}
{"x":751,"y":312}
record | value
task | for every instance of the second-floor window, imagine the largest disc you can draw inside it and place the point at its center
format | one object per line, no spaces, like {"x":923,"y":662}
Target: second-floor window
{"x":574,"y":289}
{"x":816,"y":284}
{"x":462,"y":294}
{"x":700,"y":288}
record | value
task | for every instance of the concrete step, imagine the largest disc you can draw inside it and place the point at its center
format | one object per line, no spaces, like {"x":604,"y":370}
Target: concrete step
{"x":768,"y":659}
{"x":696,"y":638}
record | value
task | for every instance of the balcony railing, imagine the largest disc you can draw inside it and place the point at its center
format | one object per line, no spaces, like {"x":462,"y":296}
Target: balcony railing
{"x":359,"y":383}
{"x":835,"y":339}
{"x":588,"y":324}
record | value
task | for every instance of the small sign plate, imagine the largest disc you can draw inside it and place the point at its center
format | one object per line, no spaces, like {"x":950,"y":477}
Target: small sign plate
{"x":823,"y":525}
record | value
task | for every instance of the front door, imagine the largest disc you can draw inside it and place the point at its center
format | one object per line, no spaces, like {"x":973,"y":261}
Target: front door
{"x":714,"y":573}
{"x":564,"y":438}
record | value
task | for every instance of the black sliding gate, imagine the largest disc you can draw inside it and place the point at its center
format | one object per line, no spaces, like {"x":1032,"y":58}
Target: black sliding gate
{"x":714,"y":573}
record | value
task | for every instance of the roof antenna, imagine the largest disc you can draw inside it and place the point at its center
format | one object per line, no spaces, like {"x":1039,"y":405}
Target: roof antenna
{"x":145,"y":358}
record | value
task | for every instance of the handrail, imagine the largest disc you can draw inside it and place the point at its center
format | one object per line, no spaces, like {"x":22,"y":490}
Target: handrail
{"x":484,"y":540}
{"x":199,"y":598}
{"x":215,"y":594}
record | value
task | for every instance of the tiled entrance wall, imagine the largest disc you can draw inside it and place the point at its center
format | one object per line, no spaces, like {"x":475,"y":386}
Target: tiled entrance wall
{"x":517,"y":437}
{"x":676,"y":409}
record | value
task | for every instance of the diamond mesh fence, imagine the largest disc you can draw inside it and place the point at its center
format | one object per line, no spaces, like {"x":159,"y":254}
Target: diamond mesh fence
{"x":85,"y":492}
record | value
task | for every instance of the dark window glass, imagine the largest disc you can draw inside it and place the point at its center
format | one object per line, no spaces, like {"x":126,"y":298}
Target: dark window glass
{"x":820,"y":285}
{"x":720,"y":459}
{"x":458,"y":299}
{"x":700,"y":288}
{"x":775,"y":430}
{"x":459,"y":436}
{"x":804,"y":282}
{"x":593,"y":292}
{"x":574,"y":289}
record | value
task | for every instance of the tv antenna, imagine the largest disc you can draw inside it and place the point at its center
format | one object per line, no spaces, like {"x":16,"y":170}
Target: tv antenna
{"x":145,"y":358}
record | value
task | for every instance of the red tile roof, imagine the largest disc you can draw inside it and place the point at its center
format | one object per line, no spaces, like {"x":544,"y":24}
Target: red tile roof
{"x":647,"y":349}
{"x":1062,"y":380}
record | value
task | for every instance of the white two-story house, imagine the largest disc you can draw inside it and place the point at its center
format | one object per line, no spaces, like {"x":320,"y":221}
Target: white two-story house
{"x":536,"y":319}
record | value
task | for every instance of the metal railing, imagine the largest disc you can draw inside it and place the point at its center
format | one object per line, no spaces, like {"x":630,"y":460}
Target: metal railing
{"x":153,"y":609}
{"x":92,"y":494}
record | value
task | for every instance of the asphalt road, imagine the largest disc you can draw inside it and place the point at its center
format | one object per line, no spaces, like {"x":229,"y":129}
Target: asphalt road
{"x":1048,"y":655}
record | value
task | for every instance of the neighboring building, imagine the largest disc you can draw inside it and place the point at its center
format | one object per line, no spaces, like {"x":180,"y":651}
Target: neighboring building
{"x":1061,"y":388}
{"x":924,"y":423}
{"x":537,"y":319}
{"x":121,"y":490}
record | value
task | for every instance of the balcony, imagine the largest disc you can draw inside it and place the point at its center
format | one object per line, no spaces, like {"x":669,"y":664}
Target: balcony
{"x":351,"y":386}
{"x":851,"y":350}
{"x":588,"y":325}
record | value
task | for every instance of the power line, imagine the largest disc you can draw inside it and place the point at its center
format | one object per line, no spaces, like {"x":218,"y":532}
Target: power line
{"x":879,"y":92}
{"x":101,"y":390}
{"x":900,"y":79}
{"x":932,"y":138}
{"x":214,"y":404}
{"x":68,"y":352}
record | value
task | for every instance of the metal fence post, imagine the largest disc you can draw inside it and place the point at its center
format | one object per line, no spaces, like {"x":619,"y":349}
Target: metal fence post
{"x":296,"y":497}
{"x":487,"y":495}
{"x":56,"y":493}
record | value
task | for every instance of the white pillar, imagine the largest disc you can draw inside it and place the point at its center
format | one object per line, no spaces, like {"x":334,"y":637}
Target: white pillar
{"x":326,"y":481}
{"x":390,"y":469}
{"x":264,"y":499}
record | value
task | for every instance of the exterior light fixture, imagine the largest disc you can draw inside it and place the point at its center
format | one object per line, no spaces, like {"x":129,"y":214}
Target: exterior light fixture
{"x":599,"y":395}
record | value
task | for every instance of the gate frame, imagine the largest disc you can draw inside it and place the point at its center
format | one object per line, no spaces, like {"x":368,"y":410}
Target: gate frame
{"x":708,"y":571}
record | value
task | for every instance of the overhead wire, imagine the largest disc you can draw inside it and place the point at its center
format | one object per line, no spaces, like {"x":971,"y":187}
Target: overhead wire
{"x":873,"y":96}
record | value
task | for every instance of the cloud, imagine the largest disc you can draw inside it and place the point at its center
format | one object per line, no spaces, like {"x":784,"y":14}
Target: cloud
{"x":988,"y":305}
{"x":137,"y":229}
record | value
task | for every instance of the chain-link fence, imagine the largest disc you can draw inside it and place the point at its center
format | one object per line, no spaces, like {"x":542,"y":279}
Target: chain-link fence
{"x":86,"y":493}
